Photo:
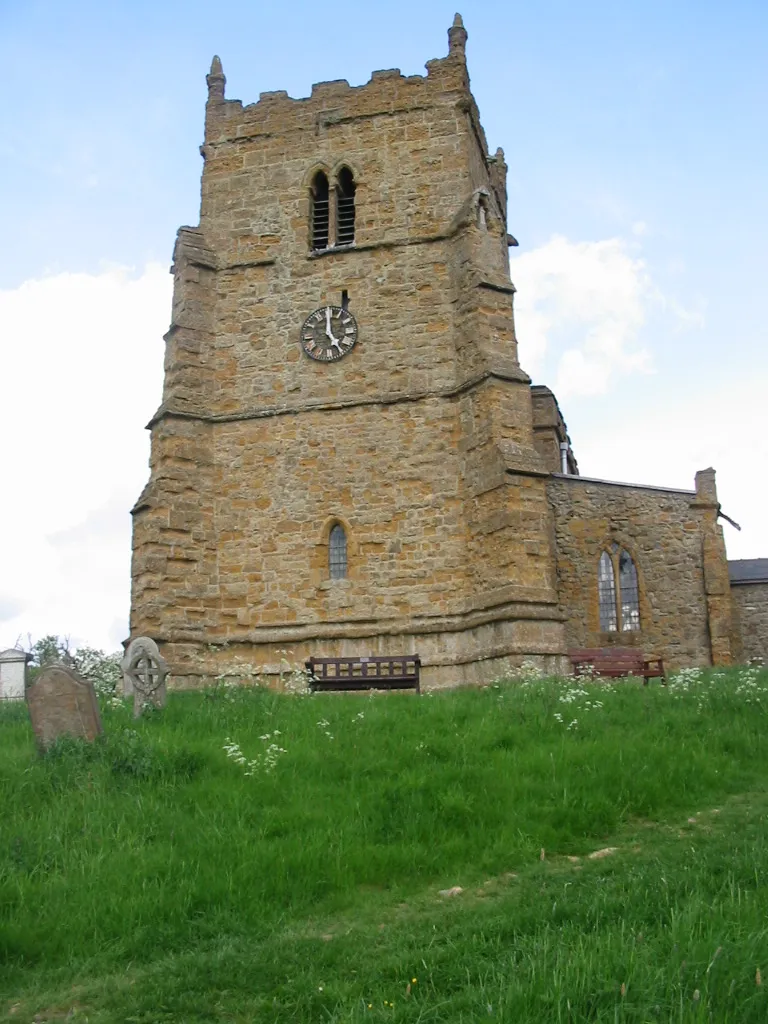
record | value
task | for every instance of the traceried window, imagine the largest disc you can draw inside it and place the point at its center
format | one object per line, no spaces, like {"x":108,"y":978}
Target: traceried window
{"x":321,"y":211}
{"x":619,"y":605}
{"x":345,"y":207}
{"x":337,"y":553}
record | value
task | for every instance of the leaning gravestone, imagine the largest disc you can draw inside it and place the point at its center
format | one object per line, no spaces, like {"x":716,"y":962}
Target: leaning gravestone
{"x":144,"y":673}
{"x":62,"y":704}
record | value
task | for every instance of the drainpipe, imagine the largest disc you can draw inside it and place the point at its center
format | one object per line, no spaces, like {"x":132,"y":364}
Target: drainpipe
{"x":564,"y":457}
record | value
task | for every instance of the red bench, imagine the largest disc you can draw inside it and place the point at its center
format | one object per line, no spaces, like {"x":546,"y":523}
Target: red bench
{"x":399,"y":672}
{"x":615,"y":662}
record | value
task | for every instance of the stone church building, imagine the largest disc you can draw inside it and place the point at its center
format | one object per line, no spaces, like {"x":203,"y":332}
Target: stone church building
{"x":349,"y":457}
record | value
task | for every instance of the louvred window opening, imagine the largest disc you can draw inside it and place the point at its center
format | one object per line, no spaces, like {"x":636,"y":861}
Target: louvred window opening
{"x":320,"y":211}
{"x":345,"y":208}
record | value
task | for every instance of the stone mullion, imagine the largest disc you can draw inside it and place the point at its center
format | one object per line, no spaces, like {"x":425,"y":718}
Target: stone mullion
{"x":617,"y":589}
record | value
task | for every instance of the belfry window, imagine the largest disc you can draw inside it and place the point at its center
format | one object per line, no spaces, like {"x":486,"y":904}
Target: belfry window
{"x":319,"y":197}
{"x":345,"y":207}
{"x":618,"y":605}
{"x":337,"y":553}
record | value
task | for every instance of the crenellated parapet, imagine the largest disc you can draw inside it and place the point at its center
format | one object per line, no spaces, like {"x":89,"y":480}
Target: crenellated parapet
{"x":421,"y":112}
{"x":385,"y":92}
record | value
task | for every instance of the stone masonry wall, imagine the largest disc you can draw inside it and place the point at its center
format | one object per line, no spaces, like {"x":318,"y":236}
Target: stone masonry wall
{"x":435,"y":536}
{"x":666,"y":533}
{"x":750,"y":619}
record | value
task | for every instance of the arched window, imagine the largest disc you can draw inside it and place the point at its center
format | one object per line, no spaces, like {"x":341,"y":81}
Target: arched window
{"x":606,"y":594}
{"x":619,"y":606}
{"x":345,"y":207}
{"x":320,"y":220}
{"x":337,"y":553}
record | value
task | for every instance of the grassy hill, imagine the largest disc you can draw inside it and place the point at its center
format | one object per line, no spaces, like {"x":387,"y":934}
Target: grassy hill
{"x":250,"y":856}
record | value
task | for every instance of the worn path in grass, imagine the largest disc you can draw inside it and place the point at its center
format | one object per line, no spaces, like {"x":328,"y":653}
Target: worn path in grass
{"x":671,"y":926}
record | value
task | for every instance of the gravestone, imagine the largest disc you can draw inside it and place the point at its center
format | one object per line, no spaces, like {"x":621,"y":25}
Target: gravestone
{"x":62,"y":704}
{"x":13,"y":673}
{"x":144,"y":674}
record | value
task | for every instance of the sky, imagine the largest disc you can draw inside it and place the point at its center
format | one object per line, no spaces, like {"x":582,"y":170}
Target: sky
{"x":637,"y":144}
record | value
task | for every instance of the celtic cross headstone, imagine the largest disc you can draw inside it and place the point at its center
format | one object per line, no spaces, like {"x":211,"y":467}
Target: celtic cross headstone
{"x":144,"y":674}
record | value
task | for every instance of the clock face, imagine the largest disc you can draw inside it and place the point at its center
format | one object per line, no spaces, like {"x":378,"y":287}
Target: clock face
{"x":329,"y":333}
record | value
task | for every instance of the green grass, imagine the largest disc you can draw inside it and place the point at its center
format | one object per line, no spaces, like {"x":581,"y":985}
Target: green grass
{"x":151,"y":877}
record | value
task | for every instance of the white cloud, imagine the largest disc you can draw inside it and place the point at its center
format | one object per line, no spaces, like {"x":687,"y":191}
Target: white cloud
{"x":9,"y":608}
{"x":82,"y":374}
{"x":665,"y":446}
{"x":584,"y":304}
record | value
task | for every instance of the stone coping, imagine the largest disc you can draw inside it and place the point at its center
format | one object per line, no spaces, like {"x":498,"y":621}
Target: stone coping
{"x":572,"y":478}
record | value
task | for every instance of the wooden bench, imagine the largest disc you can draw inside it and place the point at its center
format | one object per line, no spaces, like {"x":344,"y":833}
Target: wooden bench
{"x":374,"y":673}
{"x":615,"y":662}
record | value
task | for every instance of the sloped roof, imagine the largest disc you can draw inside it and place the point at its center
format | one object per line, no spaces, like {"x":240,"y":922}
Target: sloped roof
{"x":748,"y":570}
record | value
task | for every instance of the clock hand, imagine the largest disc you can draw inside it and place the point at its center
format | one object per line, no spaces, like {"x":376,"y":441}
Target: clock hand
{"x":329,"y":333}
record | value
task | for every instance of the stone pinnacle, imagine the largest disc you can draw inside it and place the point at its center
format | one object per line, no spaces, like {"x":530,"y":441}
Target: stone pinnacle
{"x":457,"y":37}
{"x":216,"y":81}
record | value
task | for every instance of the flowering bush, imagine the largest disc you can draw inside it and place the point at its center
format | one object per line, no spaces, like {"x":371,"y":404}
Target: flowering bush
{"x":263,"y":762}
{"x":527,"y":672}
{"x":103,"y":670}
{"x":748,"y":684}
{"x":577,"y":698}
{"x":294,"y":678}
{"x":325,"y":726}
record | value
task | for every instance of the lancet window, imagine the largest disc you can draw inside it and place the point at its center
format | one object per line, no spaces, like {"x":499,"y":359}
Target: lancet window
{"x":337,"y":552}
{"x":345,"y":207}
{"x":320,"y":211}
{"x":332,"y":210}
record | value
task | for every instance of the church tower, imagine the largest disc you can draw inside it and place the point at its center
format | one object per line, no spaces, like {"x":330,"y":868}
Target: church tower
{"x":344,"y":461}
